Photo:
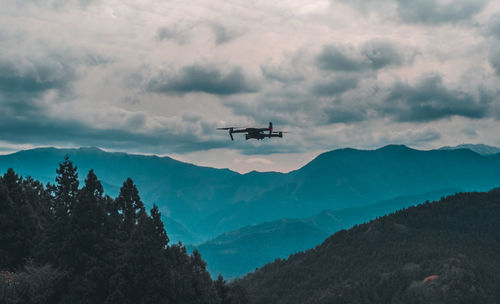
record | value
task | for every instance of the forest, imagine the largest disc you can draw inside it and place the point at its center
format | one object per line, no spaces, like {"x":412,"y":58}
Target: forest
{"x":437,"y":252}
{"x":62,"y":243}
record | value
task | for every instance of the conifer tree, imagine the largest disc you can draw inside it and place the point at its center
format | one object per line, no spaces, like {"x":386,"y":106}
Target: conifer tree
{"x":66,"y":188}
{"x":87,"y":243}
{"x":19,"y":223}
{"x":222,"y":290}
{"x":130,"y":205}
{"x":65,"y":192}
{"x":159,"y":229}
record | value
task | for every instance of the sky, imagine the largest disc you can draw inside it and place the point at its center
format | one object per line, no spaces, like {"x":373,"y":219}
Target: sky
{"x":158,"y":77}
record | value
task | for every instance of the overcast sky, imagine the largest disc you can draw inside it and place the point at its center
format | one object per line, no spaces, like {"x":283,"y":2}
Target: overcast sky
{"x":158,"y":77}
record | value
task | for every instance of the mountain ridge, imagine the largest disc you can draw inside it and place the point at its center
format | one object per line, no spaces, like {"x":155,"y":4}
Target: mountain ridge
{"x":209,"y":201}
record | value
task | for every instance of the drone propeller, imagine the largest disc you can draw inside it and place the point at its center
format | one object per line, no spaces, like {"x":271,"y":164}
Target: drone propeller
{"x":230,"y":131}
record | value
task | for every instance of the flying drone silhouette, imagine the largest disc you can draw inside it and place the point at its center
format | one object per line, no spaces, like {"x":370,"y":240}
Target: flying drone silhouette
{"x":256,"y":133}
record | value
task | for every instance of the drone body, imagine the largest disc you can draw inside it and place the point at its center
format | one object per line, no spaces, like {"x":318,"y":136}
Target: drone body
{"x":257,"y":133}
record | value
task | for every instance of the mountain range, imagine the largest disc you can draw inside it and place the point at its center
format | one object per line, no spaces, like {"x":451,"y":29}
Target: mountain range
{"x":200,"y":203}
{"x":241,"y":251}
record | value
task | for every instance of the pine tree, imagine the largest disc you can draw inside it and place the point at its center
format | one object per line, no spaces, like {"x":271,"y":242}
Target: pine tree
{"x":66,"y":188}
{"x":159,"y":229}
{"x":130,"y":205}
{"x":87,"y":243}
{"x":19,"y":224}
{"x":65,"y":194}
{"x":222,"y":290}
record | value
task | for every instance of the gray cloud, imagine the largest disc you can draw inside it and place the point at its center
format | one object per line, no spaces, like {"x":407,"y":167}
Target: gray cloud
{"x":281,"y":75}
{"x":173,"y":33}
{"x":495,"y":59}
{"x":494,"y":26}
{"x":334,"y":58}
{"x":222,"y":34}
{"x":33,"y":75}
{"x":430,"y":100}
{"x":199,"y":78}
{"x":58,"y":4}
{"x":438,"y":11}
{"x":183,"y":33}
{"x":336,"y":86}
{"x":431,"y":12}
{"x":372,"y":55}
{"x":412,"y":137}
{"x":344,"y":115}
{"x":32,"y":124}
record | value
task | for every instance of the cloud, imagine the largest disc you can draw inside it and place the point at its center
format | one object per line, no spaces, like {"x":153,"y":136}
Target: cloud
{"x":336,"y":86}
{"x":291,"y":70}
{"x":438,"y":11}
{"x":495,"y":58}
{"x":183,"y":33}
{"x":338,"y":58}
{"x":344,"y":115}
{"x":429,"y":99}
{"x":58,"y":4}
{"x":202,"y":78}
{"x":493,"y":26}
{"x":372,"y":55}
{"x":411,"y":137}
{"x":32,"y":75}
{"x":258,"y":160}
{"x":222,"y":34}
{"x":173,"y":33}
{"x":429,"y":12}
{"x":32,"y":123}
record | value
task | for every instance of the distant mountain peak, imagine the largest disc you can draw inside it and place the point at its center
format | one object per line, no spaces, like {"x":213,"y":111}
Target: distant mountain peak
{"x":478,"y":148}
{"x":394,"y":147}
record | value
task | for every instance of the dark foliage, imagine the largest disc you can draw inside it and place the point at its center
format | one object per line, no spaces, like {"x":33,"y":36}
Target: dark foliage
{"x":441,"y":252}
{"x":65,"y":244}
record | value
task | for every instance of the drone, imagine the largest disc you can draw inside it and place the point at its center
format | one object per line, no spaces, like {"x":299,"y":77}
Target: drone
{"x":257,"y":133}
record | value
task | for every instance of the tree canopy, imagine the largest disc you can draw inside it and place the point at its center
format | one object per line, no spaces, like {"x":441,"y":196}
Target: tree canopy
{"x":65,"y":244}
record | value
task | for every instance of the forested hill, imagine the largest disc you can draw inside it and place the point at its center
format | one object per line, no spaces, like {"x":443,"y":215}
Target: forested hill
{"x":441,"y":252}
{"x":67,"y":243}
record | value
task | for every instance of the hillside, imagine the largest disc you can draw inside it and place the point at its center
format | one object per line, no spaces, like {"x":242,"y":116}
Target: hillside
{"x":441,"y":252}
{"x":480,"y":149}
{"x":240,"y":251}
{"x":206,"y":202}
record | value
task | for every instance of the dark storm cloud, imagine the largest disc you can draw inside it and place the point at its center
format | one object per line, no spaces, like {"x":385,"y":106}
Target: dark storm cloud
{"x":31,"y":77}
{"x":435,"y":12}
{"x":372,"y":55}
{"x":336,"y":86}
{"x":199,"y":78}
{"x":31,"y":124}
{"x":430,"y":100}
